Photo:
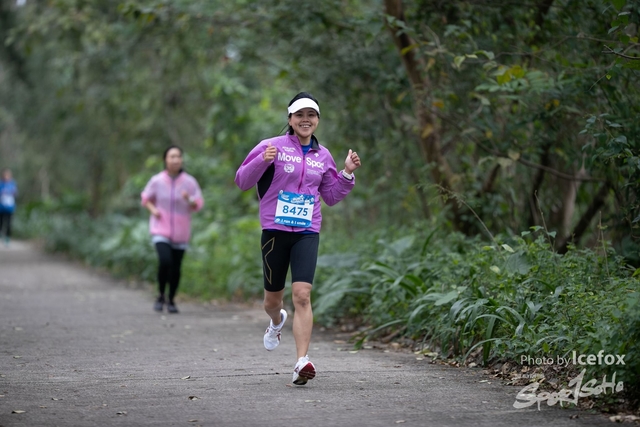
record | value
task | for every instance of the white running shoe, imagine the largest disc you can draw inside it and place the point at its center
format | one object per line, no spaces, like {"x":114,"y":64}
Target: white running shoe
{"x":272,"y":334}
{"x":303,"y":371}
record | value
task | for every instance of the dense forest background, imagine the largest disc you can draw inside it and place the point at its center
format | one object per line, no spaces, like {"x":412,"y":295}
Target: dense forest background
{"x":497,"y":207}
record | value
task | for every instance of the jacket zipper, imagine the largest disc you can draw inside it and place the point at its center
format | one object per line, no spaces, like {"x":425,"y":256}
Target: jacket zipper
{"x":304,"y":168}
{"x":172,"y":208}
{"x":304,"y":164}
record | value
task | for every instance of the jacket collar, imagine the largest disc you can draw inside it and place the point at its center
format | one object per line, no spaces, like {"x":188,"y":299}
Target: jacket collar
{"x":169,"y":177}
{"x":315,"y":145}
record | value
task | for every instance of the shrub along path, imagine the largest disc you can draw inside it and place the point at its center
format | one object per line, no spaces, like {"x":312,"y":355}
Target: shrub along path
{"x":81,"y":349}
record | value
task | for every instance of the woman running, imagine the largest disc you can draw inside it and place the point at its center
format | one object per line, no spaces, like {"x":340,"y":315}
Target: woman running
{"x":171,"y":196}
{"x":292,"y":172}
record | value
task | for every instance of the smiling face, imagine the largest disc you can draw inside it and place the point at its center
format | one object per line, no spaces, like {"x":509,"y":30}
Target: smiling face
{"x":173,"y":161}
{"x":304,"y":122}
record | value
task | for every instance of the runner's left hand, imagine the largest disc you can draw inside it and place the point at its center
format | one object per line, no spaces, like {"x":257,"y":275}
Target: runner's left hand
{"x":352,"y":162}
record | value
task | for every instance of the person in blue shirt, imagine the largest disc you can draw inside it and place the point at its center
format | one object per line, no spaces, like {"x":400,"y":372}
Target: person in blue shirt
{"x":8,"y":192}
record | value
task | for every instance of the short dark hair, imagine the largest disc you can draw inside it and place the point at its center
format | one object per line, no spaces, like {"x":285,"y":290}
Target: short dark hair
{"x":300,"y":96}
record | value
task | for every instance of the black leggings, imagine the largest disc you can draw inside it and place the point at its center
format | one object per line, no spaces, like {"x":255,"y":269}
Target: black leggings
{"x":5,"y":218}
{"x":169,"y":268}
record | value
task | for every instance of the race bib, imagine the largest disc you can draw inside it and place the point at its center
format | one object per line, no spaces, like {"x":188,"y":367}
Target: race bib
{"x":295,"y":210}
{"x":7,"y":200}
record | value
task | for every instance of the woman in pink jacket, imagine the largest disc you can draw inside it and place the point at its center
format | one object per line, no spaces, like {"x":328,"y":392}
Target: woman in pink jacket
{"x":171,"y":196}
{"x":292,"y":172}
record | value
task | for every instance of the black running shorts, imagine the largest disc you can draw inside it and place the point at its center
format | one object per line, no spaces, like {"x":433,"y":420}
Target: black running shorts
{"x":281,"y":249}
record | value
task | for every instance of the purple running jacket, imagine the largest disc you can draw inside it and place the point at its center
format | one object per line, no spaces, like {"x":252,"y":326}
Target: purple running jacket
{"x":289,"y":187}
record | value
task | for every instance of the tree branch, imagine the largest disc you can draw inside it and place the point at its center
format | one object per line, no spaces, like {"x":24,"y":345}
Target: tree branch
{"x":621,"y":55}
{"x":525,"y":162}
{"x":556,"y":173}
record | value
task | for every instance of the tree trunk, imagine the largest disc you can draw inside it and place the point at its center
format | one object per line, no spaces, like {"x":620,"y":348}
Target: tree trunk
{"x":45,"y":183}
{"x":583,"y":224}
{"x":487,"y":187}
{"x":429,"y":138}
{"x":8,"y":50}
{"x":534,"y":216}
{"x":542,"y":9}
{"x":97,"y":172}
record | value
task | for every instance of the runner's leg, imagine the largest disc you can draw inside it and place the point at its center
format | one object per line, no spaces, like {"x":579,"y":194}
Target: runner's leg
{"x":303,"y":317}
{"x":164,"y":265}
{"x":304,"y":255}
{"x":8,"y":221}
{"x":174,"y":272}
{"x":275,"y":264}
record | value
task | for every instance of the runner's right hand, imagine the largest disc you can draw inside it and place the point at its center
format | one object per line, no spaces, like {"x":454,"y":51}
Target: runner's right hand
{"x":270,"y":153}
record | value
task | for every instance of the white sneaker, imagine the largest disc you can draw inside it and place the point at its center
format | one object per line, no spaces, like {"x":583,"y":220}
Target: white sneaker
{"x":303,"y":371}
{"x":272,"y":334}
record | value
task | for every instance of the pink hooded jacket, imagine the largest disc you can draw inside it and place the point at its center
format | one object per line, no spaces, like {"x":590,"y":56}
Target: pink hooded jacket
{"x":175,"y":213}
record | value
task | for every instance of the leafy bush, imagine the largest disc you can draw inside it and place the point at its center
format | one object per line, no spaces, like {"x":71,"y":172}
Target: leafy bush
{"x":516,"y":297}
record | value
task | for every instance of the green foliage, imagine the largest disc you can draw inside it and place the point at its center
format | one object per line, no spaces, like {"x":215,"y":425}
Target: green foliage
{"x":510,"y":88}
{"x":616,"y":147}
{"x":521,"y":96}
{"x":516,"y":297}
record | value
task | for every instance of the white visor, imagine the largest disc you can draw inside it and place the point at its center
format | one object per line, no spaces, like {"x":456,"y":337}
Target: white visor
{"x":304,"y":103}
